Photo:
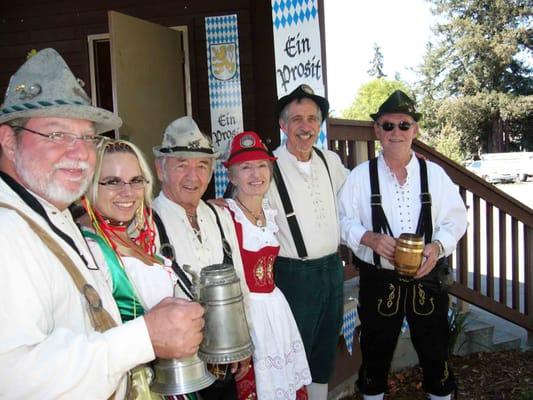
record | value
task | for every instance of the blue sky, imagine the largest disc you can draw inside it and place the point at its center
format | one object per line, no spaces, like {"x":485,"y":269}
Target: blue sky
{"x":400,"y":27}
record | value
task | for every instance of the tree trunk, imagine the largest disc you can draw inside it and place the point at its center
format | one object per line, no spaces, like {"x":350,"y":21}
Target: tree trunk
{"x":495,"y":139}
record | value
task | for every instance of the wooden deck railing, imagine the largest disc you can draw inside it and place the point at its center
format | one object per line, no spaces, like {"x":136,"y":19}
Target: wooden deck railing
{"x":494,"y":260}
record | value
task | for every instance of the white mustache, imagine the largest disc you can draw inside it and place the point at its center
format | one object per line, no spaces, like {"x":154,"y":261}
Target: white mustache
{"x":69,"y":164}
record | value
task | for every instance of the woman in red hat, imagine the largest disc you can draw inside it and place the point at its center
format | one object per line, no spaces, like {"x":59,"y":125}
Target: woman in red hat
{"x":280,"y":368}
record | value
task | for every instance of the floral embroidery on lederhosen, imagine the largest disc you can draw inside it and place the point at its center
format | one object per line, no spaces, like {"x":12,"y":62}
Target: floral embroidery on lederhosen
{"x":422,"y":305}
{"x":390,"y":303}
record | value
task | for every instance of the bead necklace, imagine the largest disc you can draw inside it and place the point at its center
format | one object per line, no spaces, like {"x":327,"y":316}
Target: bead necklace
{"x":257,"y":217}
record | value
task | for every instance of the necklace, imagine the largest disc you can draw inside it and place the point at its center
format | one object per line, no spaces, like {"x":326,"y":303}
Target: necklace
{"x":258,"y":220}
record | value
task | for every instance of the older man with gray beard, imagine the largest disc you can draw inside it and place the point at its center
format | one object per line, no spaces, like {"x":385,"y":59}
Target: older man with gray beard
{"x":58,"y":314}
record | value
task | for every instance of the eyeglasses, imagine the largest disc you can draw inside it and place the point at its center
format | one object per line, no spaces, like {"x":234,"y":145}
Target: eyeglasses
{"x":65,"y":138}
{"x":118,"y":184}
{"x":402,"y":125}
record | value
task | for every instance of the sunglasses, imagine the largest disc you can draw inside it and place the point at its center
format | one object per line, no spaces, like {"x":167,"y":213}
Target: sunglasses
{"x":402,"y":125}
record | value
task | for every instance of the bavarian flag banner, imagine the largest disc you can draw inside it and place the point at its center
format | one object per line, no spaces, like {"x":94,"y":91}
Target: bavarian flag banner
{"x":224,"y":78}
{"x":297,"y":48}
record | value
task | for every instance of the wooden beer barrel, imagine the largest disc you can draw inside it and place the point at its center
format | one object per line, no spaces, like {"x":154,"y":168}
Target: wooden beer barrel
{"x":408,"y":253}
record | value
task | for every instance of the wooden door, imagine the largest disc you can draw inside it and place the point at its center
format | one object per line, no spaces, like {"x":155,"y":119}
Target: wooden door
{"x":147,"y":67}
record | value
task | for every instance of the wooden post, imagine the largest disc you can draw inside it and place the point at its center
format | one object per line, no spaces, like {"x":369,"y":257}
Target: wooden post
{"x":528,"y":279}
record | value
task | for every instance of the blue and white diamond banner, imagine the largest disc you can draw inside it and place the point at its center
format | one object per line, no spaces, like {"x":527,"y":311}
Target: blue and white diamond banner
{"x":297,"y":49}
{"x":224,"y":78}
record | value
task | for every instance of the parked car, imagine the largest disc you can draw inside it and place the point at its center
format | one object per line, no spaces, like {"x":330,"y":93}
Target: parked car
{"x":519,"y":163}
{"x":492,"y":171}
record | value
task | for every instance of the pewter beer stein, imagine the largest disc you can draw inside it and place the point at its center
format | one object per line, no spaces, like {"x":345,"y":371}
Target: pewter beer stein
{"x":226,"y":335}
{"x":180,"y":376}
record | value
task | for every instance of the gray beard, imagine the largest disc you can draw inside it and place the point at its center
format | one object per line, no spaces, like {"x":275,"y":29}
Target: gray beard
{"x":44,"y":185}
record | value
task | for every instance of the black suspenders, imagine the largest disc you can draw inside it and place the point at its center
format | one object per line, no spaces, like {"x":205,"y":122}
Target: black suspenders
{"x":296,"y":233}
{"x":168,"y":251}
{"x":379,"y":220}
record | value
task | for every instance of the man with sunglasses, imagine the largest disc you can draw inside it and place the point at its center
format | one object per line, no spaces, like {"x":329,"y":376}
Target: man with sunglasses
{"x":381,"y":199}
{"x":58,"y":314}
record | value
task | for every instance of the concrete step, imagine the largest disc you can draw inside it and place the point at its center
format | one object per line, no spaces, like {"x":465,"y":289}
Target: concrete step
{"x":476,"y":336}
{"x":404,"y":355}
{"x":505,"y":341}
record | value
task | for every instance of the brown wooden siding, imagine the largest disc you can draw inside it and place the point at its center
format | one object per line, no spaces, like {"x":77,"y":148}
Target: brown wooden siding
{"x":65,"y":25}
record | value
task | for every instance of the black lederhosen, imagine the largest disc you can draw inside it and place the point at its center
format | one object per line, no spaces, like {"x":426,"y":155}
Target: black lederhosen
{"x":384,"y":301}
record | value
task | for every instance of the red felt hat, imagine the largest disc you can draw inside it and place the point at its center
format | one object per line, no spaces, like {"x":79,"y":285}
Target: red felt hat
{"x":247,"y":146}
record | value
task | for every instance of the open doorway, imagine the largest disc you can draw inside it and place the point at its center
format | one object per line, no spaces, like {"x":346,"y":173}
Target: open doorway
{"x":101,"y":75}
{"x":140,"y":70}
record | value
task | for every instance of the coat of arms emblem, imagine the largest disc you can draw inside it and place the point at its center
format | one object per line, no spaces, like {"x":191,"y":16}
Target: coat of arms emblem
{"x":223,"y":60}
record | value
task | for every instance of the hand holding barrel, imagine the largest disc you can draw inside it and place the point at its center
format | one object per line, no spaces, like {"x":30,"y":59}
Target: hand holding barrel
{"x":431,"y":256}
{"x":384,"y":245}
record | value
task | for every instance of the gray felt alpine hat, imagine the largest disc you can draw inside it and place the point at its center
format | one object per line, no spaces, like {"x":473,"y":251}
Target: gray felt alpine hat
{"x":44,"y":86}
{"x":183,"y":138}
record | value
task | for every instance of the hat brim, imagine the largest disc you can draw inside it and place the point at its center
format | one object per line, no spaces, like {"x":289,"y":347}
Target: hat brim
{"x":183,"y":154}
{"x":322,"y":103}
{"x":416,"y":116}
{"x":249,"y":156}
{"x":103,"y":120}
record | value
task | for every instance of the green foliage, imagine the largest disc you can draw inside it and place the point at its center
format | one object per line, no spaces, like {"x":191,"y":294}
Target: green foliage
{"x":370,"y":96}
{"x":456,"y":322}
{"x":477,"y":77}
{"x":376,"y":65}
{"x":30,"y":54}
{"x":447,"y":141}
{"x":524,"y":392}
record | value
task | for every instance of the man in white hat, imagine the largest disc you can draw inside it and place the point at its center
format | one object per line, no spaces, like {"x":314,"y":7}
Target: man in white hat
{"x":59,"y":335}
{"x":185,"y":162}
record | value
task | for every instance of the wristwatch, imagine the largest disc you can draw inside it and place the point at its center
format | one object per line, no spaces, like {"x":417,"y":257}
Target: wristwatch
{"x":441,"y":248}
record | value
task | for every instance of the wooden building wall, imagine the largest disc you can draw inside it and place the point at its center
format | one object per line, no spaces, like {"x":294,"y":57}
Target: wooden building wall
{"x":66,"y":24}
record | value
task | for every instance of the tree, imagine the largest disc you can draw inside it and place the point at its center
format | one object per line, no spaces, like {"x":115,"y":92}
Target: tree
{"x":376,"y":65}
{"x":370,"y":96}
{"x":476,"y":77}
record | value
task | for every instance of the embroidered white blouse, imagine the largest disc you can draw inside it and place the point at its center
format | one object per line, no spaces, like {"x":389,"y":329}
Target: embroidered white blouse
{"x":255,"y":237}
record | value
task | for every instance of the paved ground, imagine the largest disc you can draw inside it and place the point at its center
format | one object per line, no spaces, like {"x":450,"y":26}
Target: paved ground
{"x":522,"y":191}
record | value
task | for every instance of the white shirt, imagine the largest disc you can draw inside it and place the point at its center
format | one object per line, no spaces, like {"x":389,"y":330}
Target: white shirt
{"x":314,"y":202}
{"x":401,"y":204}
{"x":151,"y":283}
{"x":45,"y":327}
{"x":188,"y":248}
{"x":254,"y":237}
